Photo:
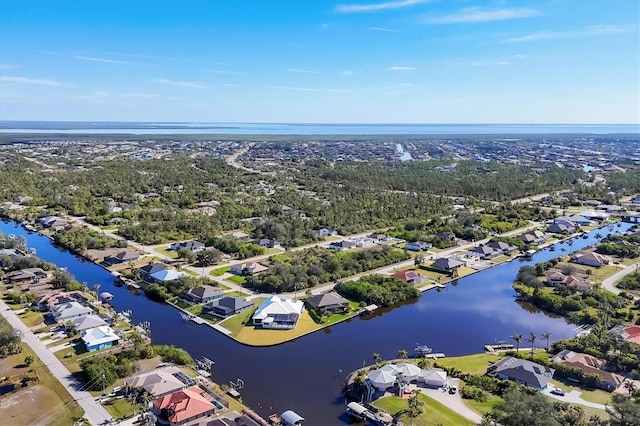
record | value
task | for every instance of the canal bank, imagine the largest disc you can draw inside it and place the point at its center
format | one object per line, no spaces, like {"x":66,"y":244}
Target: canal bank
{"x":307,"y":374}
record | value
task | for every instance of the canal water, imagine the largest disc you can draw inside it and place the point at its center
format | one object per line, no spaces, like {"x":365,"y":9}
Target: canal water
{"x":307,"y":374}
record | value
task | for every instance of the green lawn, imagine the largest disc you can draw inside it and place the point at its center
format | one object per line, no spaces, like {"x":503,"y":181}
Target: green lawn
{"x":235,"y":323}
{"x":119,"y":408}
{"x":236,"y":279}
{"x":220,"y":271}
{"x":31,"y":319}
{"x":433,"y":412}
{"x":173,"y":254}
{"x":483,"y":407}
{"x":596,"y":395}
{"x":236,"y":294}
{"x":472,"y":364}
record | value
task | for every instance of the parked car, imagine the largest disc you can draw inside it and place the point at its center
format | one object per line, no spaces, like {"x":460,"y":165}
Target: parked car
{"x":453,"y":390}
{"x":557,"y":391}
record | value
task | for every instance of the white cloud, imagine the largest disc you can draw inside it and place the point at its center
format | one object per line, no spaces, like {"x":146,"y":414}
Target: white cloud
{"x":489,"y":63}
{"x":595,"y":30}
{"x":385,"y":30}
{"x":476,"y":14}
{"x":191,"y":84}
{"x":302,"y":71}
{"x":401,"y":68}
{"x":298,"y":89}
{"x":136,"y":95}
{"x":93,"y":59}
{"x":25,"y":80}
{"x":347,"y":72}
{"x":225,"y":72}
{"x":360,"y":8}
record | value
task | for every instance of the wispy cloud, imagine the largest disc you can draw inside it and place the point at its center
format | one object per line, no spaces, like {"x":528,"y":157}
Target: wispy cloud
{"x":476,"y":14}
{"x":363,"y":8}
{"x":385,"y":30}
{"x":595,"y":30}
{"x":136,"y":95}
{"x":191,"y":84}
{"x":401,"y":69}
{"x":489,"y":63}
{"x":93,"y":59}
{"x":311,"y":89}
{"x":225,"y":72}
{"x":26,"y":80}
{"x":302,"y":71}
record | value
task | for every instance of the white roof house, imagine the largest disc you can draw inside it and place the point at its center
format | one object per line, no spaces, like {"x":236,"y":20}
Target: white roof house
{"x":66,"y":311}
{"x":86,"y":322}
{"x":275,"y":312}
{"x":434,"y":377}
{"x":158,"y":382}
{"x":168,"y":275}
{"x":94,"y":337}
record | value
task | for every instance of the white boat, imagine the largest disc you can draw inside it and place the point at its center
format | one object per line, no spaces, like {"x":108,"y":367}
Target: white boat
{"x":422,"y":350}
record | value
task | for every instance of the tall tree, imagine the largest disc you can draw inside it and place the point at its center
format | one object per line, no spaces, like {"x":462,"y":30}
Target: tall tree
{"x":518,"y":339}
{"x":402,"y":354}
{"x":532,"y":338}
{"x":414,"y":406}
{"x":546,"y":335}
{"x":376,"y":357}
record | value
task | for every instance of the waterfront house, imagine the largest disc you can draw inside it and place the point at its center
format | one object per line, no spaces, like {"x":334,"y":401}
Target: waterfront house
{"x":227,"y":306}
{"x":577,"y":219}
{"x":158,"y":382}
{"x":448,"y":264}
{"x":182,"y":406}
{"x":99,"y":338}
{"x":433,"y":377}
{"x":52,"y":222}
{"x":503,"y":247}
{"x":564,"y":228}
{"x":151,"y":268}
{"x":381,"y":379}
{"x":534,"y":237}
{"x":202,"y":294}
{"x":342,"y":245}
{"x":56,"y":298}
{"x":87,"y":322}
{"x":167,"y":275}
{"x":629,"y":334}
{"x":291,"y":418}
{"x":27,"y":274}
{"x":522,"y":371}
{"x":589,"y":365}
{"x":411,"y":277}
{"x":8,"y":255}
{"x":121,"y":257}
{"x":69,"y":310}
{"x":591,"y":259}
{"x":268,"y":243}
{"x":555,"y":278}
{"x":328,"y":303}
{"x":594,"y":215}
{"x":418,"y":246}
{"x":485,"y":252}
{"x":193,"y":246}
{"x":277,"y":313}
{"x":246,"y":269}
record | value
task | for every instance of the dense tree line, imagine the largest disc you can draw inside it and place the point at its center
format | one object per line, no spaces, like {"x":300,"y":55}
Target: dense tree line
{"x":80,"y":241}
{"x":307,"y":268}
{"x":10,"y":339}
{"x":377,"y":289}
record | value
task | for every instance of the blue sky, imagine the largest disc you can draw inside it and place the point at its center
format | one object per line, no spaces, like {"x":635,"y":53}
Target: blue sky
{"x":316,"y":61}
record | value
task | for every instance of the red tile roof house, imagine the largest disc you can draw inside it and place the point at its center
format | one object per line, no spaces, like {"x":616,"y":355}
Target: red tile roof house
{"x":181,"y":407}
{"x":412,"y":277}
{"x":590,"y":365}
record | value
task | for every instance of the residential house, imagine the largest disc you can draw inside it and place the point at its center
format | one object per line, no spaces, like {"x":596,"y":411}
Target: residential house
{"x":630,"y":333}
{"x":52,"y":222}
{"x":556,"y":278}
{"x":446,"y":236}
{"x":167,"y":275}
{"x":69,"y":310}
{"x":9,"y":254}
{"x":342,"y":245}
{"x":49,"y":300}
{"x":503,"y":247}
{"x":594,"y":215}
{"x":239,"y":235}
{"x":485,"y":252}
{"x":268,"y":243}
{"x":193,"y":246}
{"x":411,"y":277}
{"x":561,"y":228}
{"x":534,"y":237}
{"x":589,"y":365}
{"x":87,"y":322}
{"x":377,"y":237}
{"x":121,"y":257}
{"x":578,"y":220}
{"x":151,"y":268}
{"x":227,"y":306}
{"x":365,"y":242}
{"x":418,"y":246}
{"x":27,"y":274}
{"x":326,"y":232}
{"x":522,"y":371}
{"x":158,"y":382}
{"x":448,"y":264}
{"x":591,"y":259}
{"x":245,"y":269}
{"x":277,"y":313}
{"x":202,"y":294}
{"x":22,"y":199}
{"x":328,"y":303}
{"x":433,"y":377}
{"x":99,"y":338}
{"x":182,"y":406}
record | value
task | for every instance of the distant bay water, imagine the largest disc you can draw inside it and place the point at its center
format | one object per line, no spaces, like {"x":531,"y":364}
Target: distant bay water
{"x":200,"y":128}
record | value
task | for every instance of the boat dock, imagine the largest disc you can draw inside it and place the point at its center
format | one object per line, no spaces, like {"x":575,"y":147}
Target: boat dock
{"x":434,"y":355}
{"x":500,"y":347}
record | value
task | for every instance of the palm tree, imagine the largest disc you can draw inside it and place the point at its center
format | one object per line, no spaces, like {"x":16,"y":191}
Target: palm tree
{"x":518,"y":339}
{"x":402,"y":354}
{"x":414,"y":407}
{"x":376,"y":357}
{"x":532,"y":338}
{"x":546,"y":335}
{"x":630,"y":387}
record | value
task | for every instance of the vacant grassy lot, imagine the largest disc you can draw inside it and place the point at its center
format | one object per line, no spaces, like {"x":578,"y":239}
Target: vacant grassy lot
{"x":173,"y":254}
{"x":220,"y":271}
{"x":119,"y":408}
{"x":235,"y":324}
{"x":472,"y":364}
{"x":31,"y":319}
{"x":236,"y":279}
{"x":433,"y":412}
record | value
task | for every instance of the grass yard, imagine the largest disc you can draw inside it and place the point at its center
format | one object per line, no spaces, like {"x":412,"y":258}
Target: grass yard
{"x":236,"y":279}
{"x":598,"y":396}
{"x":236,"y":323}
{"x":173,"y":254}
{"x":472,"y":364}
{"x":119,"y":408}
{"x":482,"y":407}
{"x":433,"y":412}
{"x":236,"y":294}
{"x":253,"y":336}
{"x":31,"y":319}
{"x":220,"y":271}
